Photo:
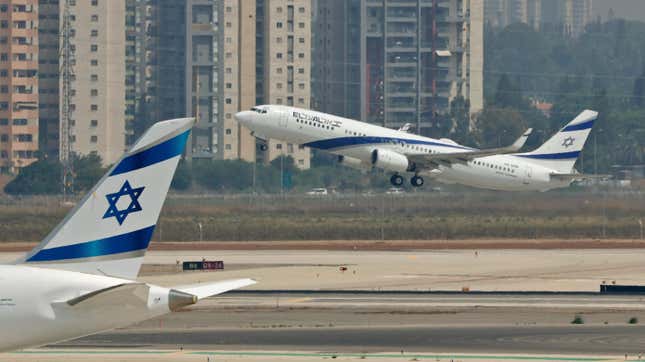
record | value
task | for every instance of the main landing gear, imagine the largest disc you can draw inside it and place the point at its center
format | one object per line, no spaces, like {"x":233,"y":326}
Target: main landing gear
{"x":396,"y":180}
{"x":416,"y":181}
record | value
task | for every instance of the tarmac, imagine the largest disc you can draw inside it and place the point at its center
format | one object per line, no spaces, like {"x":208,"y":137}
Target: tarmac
{"x":351,"y":324}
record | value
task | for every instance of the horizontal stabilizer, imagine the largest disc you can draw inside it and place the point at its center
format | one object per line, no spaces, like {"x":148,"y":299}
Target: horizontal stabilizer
{"x":205,"y":290}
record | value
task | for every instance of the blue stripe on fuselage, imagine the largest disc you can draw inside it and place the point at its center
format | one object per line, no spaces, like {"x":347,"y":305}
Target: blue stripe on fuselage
{"x":161,"y":152}
{"x":579,"y":127}
{"x":133,"y":241}
{"x":553,"y":156}
{"x":341,"y":142}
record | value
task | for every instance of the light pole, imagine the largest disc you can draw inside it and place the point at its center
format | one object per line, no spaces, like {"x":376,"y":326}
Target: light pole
{"x":201,"y":234}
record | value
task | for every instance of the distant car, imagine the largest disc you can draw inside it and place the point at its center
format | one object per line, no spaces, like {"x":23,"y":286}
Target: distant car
{"x":318,"y":192}
{"x":395,"y":191}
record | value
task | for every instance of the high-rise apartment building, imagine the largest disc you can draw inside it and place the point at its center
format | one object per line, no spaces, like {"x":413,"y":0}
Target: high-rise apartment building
{"x":18,"y":84}
{"x":48,"y":76}
{"x":398,"y":61}
{"x":98,"y":92}
{"x":500,"y":13}
{"x":238,"y":77}
{"x":285,"y":53}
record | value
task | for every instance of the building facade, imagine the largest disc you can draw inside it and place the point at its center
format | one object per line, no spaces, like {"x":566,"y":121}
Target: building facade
{"x":48,"y":76}
{"x":286,"y":65}
{"x":98,"y":92}
{"x":18,"y":84}
{"x":407,"y":60}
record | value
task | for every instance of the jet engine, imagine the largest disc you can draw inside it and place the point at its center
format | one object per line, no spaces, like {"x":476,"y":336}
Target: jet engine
{"x":392,"y":161}
{"x":353,"y":163}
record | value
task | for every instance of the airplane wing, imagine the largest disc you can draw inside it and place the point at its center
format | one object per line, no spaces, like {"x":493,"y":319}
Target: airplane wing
{"x":578,"y":177}
{"x":205,"y":290}
{"x":431,"y":160}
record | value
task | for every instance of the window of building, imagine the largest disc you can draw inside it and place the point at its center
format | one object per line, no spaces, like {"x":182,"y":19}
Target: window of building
{"x":72,"y":138}
{"x":301,"y":162}
{"x":229,"y":55}
{"x":95,"y":2}
{"x":301,"y":10}
{"x":228,"y":131}
{"x":301,"y":101}
{"x":278,"y":146}
{"x":301,"y":55}
{"x":94,"y":18}
{"x":94,"y":77}
{"x":94,"y":62}
{"x":22,"y":138}
{"x":4,"y":138}
{"x":278,"y":25}
{"x":229,"y":101}
{"x":94,"y":48}
{"x":301,"y":25}
{"x":4,"y":89}
{"x":301,"y":86}
{"x":229,"y":85}
{"x":229,"y":71}
{"x":279,"y":70}
{"x":278,"y":85}
{"x":94,"y":123}
{"x":4,"y":8}
{"x":228,"y":24}
{"x":290,"y":147}
{"x":279,"y":9}
{"x":94,"y":107}
{"x":301,"y":70}
{"x":229,"y":9}
{"x":278,"y":40}
{"x":94,"y":32}
{"x":94,"y":92}
{"x":301,"y":40}
{"x":4,"y":121}
{"x":20,"y":122}
{"x":94,"y":139}
{"x":278,"y":55}
{"x":228,"y":146}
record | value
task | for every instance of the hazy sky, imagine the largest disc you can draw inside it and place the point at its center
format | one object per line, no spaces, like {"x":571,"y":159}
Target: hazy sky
{"x":628,"y":9}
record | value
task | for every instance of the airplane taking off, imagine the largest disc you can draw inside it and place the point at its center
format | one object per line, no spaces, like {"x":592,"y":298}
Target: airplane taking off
{"x":365,"y":146}
{"x":80,"y":279}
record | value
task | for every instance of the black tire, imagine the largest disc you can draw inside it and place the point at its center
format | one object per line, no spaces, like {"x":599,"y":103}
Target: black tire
{"x":396,"y":180}
{"x":417,"y":181}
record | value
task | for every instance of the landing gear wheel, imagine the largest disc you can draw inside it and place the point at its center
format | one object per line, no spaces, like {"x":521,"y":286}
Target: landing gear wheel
{"x":416,"y":181}
{"x":396,"y":180}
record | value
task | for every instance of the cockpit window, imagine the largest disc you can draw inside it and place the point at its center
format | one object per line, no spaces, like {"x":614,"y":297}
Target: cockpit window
{"x":259,"y":110}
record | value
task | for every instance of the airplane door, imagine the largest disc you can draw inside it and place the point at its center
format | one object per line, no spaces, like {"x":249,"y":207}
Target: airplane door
{"x":283,"y":119}
{"x":529,"y":175}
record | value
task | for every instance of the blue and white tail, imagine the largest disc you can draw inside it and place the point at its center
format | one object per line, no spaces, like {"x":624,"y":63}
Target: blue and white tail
{"x":562,"y":150}
{"x":108,"y":232}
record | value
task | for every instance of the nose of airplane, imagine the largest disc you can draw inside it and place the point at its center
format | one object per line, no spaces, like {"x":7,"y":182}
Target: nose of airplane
{"x":244,"y":117}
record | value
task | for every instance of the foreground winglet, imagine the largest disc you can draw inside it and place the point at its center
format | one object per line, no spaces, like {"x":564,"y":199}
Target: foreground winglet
{"x":109,"y":230}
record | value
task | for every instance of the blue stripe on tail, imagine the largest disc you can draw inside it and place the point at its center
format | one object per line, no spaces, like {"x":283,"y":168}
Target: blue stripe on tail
{"x":161,"y":152}
{"x":132,"y":241}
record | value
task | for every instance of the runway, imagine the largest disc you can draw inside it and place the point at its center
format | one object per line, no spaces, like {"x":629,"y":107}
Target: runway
{"x":373,"y":323}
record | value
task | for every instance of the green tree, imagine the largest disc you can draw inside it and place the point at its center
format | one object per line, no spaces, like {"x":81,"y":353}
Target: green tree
{"x":183,"y":178}
{"x":42,"y":177}
{"x":460,"y":116}
{"x":87,"y":171}
{"x":496,"y":127}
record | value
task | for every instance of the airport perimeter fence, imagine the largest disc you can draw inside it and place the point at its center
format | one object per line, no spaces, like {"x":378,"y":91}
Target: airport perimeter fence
{"x":411,"y":216}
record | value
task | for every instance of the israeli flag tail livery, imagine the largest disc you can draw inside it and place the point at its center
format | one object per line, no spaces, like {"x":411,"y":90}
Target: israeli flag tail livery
{"x":562,"y":150}
{"x":109,"y":230}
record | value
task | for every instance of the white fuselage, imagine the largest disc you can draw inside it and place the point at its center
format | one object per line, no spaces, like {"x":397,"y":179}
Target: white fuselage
{"x":33,"y":308}
{"x":358,"y":140}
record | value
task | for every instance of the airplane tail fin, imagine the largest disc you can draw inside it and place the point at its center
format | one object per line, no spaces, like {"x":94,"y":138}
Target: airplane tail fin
{"x":561,"y":151}
{"x":109,"y":230}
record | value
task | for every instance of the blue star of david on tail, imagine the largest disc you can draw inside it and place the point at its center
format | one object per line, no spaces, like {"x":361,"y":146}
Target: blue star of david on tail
{"x":568,"y":142}
{"x":113,"y":200}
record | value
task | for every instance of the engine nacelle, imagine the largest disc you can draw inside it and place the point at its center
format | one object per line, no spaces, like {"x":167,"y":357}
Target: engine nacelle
{"x":353,"y":163}
{"x":392,"y":161}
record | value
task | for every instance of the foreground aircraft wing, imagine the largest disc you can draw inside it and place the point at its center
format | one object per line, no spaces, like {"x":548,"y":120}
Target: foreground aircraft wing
{"x":433,"y":159}
{"x":205,"y":290}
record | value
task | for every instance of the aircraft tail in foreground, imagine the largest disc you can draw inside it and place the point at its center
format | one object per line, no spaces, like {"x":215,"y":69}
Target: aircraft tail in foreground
{"x":109,"y":230}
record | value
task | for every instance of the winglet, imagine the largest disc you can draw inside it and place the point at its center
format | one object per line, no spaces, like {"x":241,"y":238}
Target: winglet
{"x":519,"y":143}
